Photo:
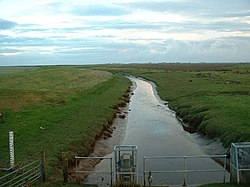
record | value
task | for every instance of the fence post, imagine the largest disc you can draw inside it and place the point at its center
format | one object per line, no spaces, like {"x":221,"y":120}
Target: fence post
{"x":185,"y":174}
{"x":225,"y":169}
{"x":111,"y":172}
{"x":43,"y":165}
{"x":65,"y":166}
{"x":11,"y":148}
{"x":144,"y":171}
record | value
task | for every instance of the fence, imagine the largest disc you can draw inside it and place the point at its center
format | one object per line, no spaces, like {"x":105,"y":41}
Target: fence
{"x":240,"y":162}
{"x":108,"y":167}
{"x":184,"y":170}
{"x":26,"y":172}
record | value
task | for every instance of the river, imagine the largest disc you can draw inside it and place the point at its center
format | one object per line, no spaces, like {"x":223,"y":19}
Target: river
{"x":156,"y":131}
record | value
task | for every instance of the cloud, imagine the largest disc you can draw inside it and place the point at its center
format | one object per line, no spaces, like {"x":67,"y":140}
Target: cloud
{"x":166,"y":6}
{"x":56,"y":32}
{"x":4,"y":24}
{"x":99,"y":10}
{"x":196,"y":7}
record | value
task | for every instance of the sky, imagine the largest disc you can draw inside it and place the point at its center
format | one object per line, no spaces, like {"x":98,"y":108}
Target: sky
{"x":48,"y":32}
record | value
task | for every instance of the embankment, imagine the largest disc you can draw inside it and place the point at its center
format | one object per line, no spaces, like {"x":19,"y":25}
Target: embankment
{"x":215,"y":103}
{"x":63,"y":109}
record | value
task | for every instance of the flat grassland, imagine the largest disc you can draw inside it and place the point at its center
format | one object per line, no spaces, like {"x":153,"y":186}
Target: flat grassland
{"x":58,"y":108}
{"x":211,"y":98}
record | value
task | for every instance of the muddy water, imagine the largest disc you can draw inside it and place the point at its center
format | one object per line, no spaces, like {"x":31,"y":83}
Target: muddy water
{"x":153,"y":127}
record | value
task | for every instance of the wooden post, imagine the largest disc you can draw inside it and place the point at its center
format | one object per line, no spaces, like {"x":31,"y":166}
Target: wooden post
{"x":43,"y":165}
{"x":65,"y":167}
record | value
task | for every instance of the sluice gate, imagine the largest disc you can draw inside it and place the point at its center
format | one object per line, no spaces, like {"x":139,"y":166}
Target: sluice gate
{"x":122,"y":167}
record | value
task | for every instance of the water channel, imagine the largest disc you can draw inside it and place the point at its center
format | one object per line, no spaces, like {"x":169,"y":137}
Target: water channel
{"x":154,"y":128}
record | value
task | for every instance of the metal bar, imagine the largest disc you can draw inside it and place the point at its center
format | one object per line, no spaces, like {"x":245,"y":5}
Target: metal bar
{"x":244,"y":169}
{"x":144,"y":171}
{"x":242,"y":146}
{"x":20,"y":176}
{"x":125,"y":147}
{"x":33,"y":180}
{"x":94,"y":157}
{"x":224,"y":177}
{"x":111,"y":174}
{"x":233,"y":166}
{"x":237,"y":166}
{"x":76,"y":163}
{"x":198,"y":156}
{"x":18,"y":169}
{"x":23,"y":174}
{"x":123,"y":173}
{"x":105,"y":172}
{"x":187,"y":171}
{"x":93,"y":171}
{"x":8,"y":174}
{"x":16,"y":183}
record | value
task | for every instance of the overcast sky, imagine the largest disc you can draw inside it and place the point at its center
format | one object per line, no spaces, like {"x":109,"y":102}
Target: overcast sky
{"x":117,"y":31}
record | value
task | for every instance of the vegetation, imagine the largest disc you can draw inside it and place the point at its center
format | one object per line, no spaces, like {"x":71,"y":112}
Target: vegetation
{"x":64,"y":109}
{"x":58,"y":108}
{"x":211,"y":98}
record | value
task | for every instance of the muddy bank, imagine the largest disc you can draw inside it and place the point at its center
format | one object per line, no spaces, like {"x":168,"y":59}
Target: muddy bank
{"x":112,"y":134}
{"x":153,"y":127}
{"x":190,"y":123}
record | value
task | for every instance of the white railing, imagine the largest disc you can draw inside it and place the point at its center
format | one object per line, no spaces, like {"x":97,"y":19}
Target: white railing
{"x":184,"y":170}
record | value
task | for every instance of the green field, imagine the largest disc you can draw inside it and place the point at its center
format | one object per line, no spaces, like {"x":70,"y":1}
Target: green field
{"x":213,"y":99}
{"x":64,"y":109}
{"x":58,"y":108}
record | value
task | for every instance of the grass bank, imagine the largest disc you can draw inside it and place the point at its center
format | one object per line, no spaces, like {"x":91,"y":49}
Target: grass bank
{"x":58,"y":108}
{"x":211,"y":98}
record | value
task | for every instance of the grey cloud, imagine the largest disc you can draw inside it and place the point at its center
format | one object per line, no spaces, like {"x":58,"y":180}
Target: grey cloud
{"x":4,"y":50}
{"x":99,"y":10}
{"x":20,"y":41}
{"x":212,"y":8}
{"x":5,"y":24}
{"x":169,"y":6}
{"x":225,"y":49}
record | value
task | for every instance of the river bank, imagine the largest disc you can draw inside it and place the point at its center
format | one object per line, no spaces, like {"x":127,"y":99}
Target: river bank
{"x":213,"y":99}
{"x":110,"y":136}
{"x":208,"y":105}
{"x":153,"y":127}
{"x":63,"y":109}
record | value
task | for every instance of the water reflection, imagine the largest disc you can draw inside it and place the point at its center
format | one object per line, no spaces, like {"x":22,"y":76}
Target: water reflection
{"x":153,"y":127}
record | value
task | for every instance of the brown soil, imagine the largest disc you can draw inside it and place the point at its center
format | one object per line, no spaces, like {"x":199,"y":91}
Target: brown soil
{"x":103,"y":144}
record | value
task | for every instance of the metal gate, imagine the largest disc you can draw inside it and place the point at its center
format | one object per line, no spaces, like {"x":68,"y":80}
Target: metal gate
{"x":87,"y":171}
{"x":26,"y":172}
{"x":183,"y":169}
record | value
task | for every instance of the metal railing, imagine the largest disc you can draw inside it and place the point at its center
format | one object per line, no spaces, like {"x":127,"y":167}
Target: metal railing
{"x":184,"y":170}
{"x":240,"y":161}
{"x":110,"y":171}
{"x":24,"y":173}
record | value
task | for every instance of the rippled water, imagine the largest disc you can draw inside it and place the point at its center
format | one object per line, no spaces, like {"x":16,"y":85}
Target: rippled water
{"x":153,"y":127}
